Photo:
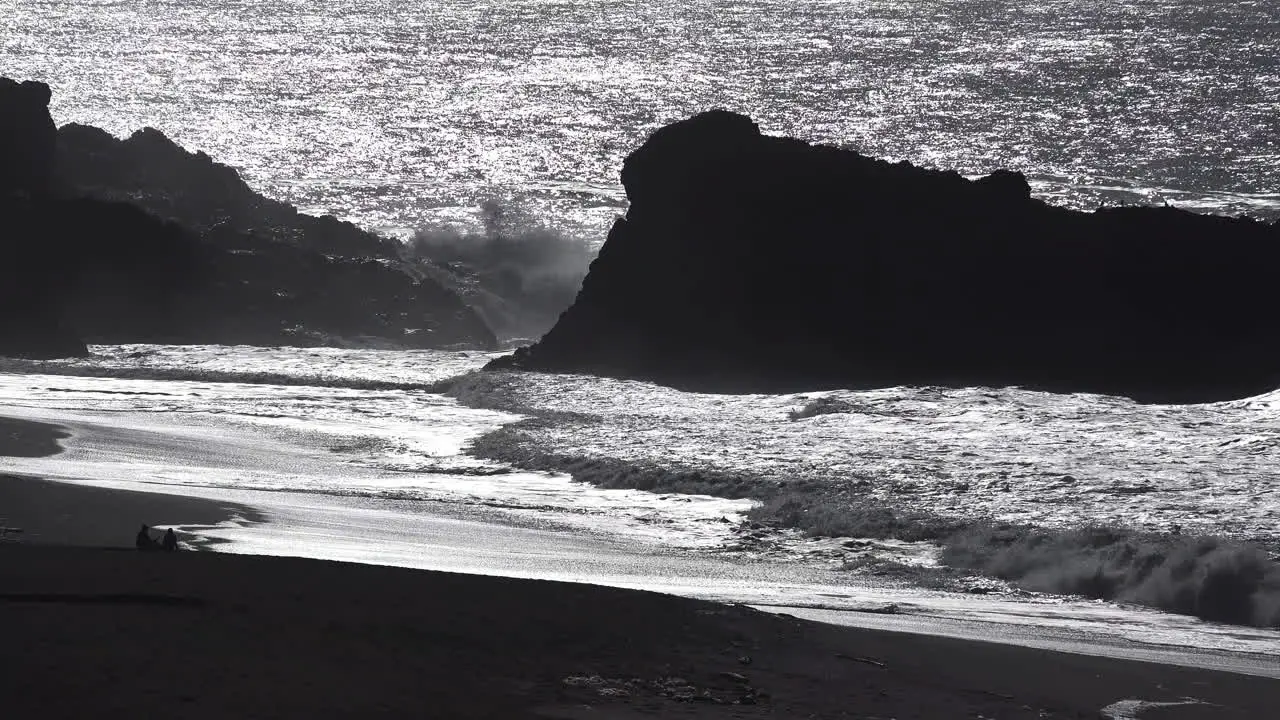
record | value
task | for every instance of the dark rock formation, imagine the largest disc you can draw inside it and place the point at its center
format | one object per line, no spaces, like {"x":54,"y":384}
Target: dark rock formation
{"x":54,"y":261}
{"x":26,"y":138}
{"x":140,"y":241}
{"x":151,"y":171}
{"x":749,"y":262}
{"x":109,"y":270}
{"x":268,"y":293}
{"x":32,"y":321}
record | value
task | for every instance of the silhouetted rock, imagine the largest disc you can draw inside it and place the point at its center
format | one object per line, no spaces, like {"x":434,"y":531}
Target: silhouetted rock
{"x":150,"y":170}
{"x":275,"y":276}
{"x":31,"y":315}
{"x":220,"y":265}
{"x":748,"y":262}
{"x":26,"y":137}
{"x":39,"y":332}
{"x":270,"y":293}
{"x":110,"y":271}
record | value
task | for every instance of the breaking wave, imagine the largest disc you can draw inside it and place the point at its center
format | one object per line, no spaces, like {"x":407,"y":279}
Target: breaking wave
{"x":1212,"y":578}
{"x":247,"y":377}
{"x":355,"y":369}
{"x":1164,"y":506}
{"x":518,"y":272}
{"x":646,"y":437}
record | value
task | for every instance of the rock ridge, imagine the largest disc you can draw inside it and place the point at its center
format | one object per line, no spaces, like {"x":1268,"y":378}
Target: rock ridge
{"x":137,"y":240}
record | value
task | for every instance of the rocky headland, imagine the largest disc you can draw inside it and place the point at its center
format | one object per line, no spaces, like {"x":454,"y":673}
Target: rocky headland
{"x":138,"y":240}
{"x":755,"y":263}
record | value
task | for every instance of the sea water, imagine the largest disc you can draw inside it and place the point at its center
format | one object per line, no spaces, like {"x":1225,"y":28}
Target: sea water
{"x":403,"y":114}
{"x":1007,"y":454}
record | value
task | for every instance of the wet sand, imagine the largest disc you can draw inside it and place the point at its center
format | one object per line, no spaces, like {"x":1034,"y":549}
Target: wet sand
{"x":52,"y":513}
{"x":25,"y":438}
{"x":33,"y":510}
{"x":110,"y":633}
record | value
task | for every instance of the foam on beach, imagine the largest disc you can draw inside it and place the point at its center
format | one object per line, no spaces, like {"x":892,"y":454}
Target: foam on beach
{"x":382,"y":477}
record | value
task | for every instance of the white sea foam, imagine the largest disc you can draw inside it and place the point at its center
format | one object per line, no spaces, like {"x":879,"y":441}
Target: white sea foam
{"x":1007,"y":454}
{"x":1134,"y":709}
{"x":1000,"y":453}
{"x":401,"y":445}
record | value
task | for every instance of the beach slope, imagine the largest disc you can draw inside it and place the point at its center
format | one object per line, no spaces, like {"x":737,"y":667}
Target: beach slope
{"x":114,"y":633}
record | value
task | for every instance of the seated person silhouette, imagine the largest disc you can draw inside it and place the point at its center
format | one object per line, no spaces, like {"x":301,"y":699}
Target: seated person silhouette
{"x":143,"y":539}
{"x":170,"y":542}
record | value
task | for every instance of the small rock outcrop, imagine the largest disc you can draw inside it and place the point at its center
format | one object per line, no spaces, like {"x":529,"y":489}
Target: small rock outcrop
{"x":756,"y":263}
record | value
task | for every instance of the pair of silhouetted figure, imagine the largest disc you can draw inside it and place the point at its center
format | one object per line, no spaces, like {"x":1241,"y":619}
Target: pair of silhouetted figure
{"x":144,"y":541}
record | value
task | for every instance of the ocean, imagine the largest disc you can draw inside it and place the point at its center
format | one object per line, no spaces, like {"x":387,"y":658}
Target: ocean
{"x":407,"y":114}
{"x":1005,"y":454}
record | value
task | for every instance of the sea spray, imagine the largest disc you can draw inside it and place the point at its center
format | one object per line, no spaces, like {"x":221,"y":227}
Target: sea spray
{"x":516,"y":270}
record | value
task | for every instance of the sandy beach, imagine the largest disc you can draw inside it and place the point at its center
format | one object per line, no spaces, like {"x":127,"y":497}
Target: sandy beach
{"x":107,"y":632}
{"x":102,"y":633}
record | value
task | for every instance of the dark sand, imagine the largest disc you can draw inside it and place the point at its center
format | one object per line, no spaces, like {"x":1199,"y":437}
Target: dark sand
{"x":38,"y":511}
{"x":104,"y":633}
{"x":116,"y":633}
{"x":23,"y":438}
{"x":53,"y":513}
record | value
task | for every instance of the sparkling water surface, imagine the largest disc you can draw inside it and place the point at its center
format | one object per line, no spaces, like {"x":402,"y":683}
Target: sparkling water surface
{"x":320,"y":421}
{"x":1056,"y":460}
{"x":408,"y":113}
{"x":999,"y":453}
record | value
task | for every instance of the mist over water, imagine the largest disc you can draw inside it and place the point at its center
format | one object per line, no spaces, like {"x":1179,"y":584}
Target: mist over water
{"x":515,"y":271}
{"x":399,"y":114}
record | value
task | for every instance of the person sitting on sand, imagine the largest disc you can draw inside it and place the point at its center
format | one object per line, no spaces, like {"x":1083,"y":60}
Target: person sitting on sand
{"x":143,"y":539}
{"x":170,"y":542}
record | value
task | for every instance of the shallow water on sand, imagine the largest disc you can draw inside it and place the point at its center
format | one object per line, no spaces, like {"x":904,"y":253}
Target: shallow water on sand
{"x":373,"y":415}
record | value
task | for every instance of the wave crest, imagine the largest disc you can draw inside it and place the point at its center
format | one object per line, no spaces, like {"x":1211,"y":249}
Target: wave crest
{"x":246,"y":377}
{"x":1212,"y":578}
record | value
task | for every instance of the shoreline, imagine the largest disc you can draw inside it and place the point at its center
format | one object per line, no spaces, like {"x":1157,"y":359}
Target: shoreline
{"x":49,"y":512}
{"x":436,"y":537}
{"x":217,"y":635}
{"x":28,"y":438}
